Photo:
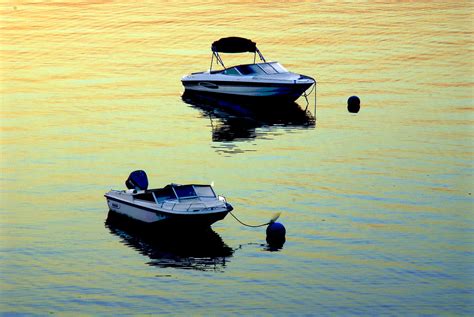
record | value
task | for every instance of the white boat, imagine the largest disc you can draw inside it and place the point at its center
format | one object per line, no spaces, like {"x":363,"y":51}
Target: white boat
{"x":192,"y":205}
{"x":264,"y":80}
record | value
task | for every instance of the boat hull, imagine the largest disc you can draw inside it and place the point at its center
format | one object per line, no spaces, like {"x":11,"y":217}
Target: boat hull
{"x":282,"y":92}
{"x":151,"y":217}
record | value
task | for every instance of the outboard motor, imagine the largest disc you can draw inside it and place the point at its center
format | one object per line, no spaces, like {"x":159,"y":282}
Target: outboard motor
{"x":137,"y":180}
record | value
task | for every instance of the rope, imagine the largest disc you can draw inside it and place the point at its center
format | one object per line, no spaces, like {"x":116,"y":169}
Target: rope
{"x":306,"y":95}
{"x":247,"y":225}
{"x":312,"y":87}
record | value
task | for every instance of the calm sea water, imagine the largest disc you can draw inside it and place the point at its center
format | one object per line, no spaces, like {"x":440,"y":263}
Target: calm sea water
{"x":378,"y":206}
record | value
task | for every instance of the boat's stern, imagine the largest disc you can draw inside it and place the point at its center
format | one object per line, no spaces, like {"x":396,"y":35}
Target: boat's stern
{"x":113,"y":198}
{"x":117,"y":200}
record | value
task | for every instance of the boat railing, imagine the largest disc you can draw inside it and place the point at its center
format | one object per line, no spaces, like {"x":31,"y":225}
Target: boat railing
{"x":201,"y":206}
{"x":194,"y":206}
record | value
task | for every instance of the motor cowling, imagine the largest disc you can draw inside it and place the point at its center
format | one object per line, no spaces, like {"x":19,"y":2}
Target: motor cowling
{"x":137,"y":180}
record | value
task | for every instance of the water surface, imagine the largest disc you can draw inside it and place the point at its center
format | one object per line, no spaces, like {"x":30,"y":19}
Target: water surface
{"x":377,"y":206}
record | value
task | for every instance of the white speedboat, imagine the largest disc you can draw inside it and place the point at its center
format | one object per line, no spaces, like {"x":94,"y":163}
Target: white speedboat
{"x":264,"y":80}
{"x":192,"y":206}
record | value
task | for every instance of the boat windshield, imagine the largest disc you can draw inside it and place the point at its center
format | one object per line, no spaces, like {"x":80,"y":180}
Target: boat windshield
{"x":204,"y":191}
{"x":163,"y":194}
{"x":267,"y":68}
{"x":185,"y":191}
{"x":261,"y":68}
{"x":250,"y":69}
{"x":278,"y":67}
{"x":231,"y":71}
{"x":193,"y":191}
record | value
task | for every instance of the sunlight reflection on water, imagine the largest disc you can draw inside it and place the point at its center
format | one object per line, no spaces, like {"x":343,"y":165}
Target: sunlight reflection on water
{"x":376,"y":205}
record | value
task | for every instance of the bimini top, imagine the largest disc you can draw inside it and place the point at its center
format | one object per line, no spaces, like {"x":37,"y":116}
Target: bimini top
{"x":234,"y":45}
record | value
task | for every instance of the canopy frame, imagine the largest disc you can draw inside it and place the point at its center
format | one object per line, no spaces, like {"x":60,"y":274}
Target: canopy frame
{"x":234,"y":45}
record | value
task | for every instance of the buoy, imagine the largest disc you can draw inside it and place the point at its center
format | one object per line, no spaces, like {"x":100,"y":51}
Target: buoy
{"x":276,"y":234}
{"x":353,"y":104}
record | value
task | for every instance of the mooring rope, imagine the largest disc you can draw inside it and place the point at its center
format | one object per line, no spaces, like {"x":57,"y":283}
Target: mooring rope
{"x":312,"y":87}
{"x":252,"y":226}
{"x":306,"y":95}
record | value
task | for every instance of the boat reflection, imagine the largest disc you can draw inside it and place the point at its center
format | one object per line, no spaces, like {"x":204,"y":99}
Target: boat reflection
{"x":235,"y":120}
{"x":203,"y":250}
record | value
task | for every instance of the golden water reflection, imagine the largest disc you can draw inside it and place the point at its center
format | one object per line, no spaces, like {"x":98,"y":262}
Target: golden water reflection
{"x":377,"y":205}
{"x":234,"y":121}
{"x":203,"y":251}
